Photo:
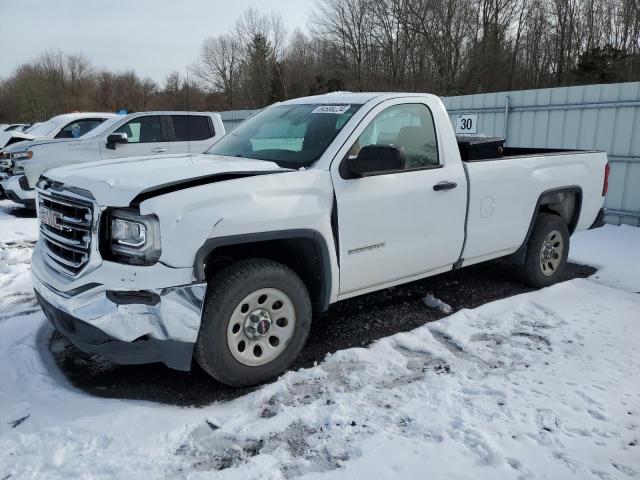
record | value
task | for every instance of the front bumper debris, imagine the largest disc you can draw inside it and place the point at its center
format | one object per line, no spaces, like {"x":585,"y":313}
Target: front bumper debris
{"x":15,"y":192}
{"x":127,"y":327}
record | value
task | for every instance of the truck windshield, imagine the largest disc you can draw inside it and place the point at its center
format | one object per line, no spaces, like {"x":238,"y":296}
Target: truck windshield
{"x":292,"y":136}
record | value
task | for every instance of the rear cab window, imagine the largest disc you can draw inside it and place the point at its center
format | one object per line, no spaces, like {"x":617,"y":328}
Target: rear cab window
{"x":192,"y":128}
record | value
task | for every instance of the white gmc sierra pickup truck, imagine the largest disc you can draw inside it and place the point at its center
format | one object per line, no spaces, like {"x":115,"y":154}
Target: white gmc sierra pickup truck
{"x":223,"y":256}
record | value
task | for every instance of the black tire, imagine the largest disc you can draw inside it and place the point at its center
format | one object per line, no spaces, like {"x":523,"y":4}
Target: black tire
{"x":537,"y":272}
{"x":225,"y":291}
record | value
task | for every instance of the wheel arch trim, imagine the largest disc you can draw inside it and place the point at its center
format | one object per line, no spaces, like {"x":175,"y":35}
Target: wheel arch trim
{"x":519,"y":255}
{"x":211,"y":244}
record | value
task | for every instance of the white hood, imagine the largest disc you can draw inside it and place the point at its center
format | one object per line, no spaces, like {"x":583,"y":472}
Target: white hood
{"x":118,"y":182}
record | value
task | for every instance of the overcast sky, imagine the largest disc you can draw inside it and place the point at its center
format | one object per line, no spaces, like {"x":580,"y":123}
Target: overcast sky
{"x":152,"y":37}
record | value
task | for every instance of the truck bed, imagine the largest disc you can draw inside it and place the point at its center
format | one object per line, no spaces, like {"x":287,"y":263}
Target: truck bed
{"x":520,"y":152}
{"x":503,"y":195}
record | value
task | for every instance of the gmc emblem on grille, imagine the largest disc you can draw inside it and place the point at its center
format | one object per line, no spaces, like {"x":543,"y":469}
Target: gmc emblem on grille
{"x":51,"y":218}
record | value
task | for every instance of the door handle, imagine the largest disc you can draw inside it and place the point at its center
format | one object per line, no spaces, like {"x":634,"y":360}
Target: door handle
{"x":158,"y":150}
{"x":444,"y":186}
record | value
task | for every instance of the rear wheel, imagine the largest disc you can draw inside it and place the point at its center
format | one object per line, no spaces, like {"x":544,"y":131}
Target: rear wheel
{"x":255,"y":321}
{"x":547,"y":251}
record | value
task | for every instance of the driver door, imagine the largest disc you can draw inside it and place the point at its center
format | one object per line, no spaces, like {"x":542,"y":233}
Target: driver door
{"x":393,"y":226}
{"x":146,"y":135}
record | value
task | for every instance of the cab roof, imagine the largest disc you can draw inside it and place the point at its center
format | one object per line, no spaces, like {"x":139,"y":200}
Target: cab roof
{"x":356,"y":98}
{"x":75,"y":115}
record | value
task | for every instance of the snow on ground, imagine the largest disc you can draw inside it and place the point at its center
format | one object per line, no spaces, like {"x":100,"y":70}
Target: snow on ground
{"x":14,"y":229}
{"x":430,"y":301}
{"x":17,"y":236}
{"x":541,"y":385}
{"x":613,"y":254}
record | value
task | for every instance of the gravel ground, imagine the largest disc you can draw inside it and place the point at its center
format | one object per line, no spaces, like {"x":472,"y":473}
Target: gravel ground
{"x":350,"y":323}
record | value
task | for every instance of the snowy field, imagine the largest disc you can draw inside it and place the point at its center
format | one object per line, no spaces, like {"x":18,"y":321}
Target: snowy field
{"x":541,"y":385}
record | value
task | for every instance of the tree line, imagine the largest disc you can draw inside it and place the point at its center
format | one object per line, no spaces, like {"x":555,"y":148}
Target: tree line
{"x":447,"y":47}
{"x":56,"y":83}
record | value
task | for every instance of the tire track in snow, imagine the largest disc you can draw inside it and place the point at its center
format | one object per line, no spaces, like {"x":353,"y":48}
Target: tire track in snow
{"x":324,"y":441}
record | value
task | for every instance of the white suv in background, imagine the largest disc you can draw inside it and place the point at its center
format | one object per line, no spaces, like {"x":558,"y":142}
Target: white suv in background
{"x":136,"y":134}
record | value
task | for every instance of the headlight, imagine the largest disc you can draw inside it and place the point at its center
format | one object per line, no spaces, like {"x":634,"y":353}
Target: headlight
{"x":134,"y":238}
{"x":26,"y":155}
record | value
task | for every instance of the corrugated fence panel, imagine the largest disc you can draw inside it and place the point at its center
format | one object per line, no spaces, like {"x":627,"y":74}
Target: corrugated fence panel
{"x":590,"y":117}
{"x":233,"y":118}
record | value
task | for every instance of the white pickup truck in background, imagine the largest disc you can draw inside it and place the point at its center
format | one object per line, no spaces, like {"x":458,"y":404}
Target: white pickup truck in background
{"x":56,"y":129}
{"x":136,"y":134}
{"x":18,"y":127}
{"x":223,"y":256}
{"x":68,"y":125}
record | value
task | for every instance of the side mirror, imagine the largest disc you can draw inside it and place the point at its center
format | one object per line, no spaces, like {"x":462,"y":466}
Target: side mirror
{"x":374,"y":159}
{"x":116,"y":138}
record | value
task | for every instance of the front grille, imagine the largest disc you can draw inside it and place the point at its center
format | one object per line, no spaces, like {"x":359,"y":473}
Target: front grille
{"x":67,"y":245}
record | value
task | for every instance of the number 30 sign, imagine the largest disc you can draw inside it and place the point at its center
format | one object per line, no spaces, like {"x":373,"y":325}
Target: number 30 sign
{"x":467,"y":124}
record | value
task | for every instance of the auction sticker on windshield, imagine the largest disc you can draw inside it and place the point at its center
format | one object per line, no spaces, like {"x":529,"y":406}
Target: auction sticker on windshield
{"x":337,"y":109}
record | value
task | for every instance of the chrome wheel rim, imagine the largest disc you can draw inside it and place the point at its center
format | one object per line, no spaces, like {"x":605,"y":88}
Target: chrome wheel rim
{"x":261,"y":327}
{"x":551,"y":253}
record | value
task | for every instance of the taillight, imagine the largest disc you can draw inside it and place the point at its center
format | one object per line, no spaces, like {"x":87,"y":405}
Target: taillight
{"x":605,"y":185}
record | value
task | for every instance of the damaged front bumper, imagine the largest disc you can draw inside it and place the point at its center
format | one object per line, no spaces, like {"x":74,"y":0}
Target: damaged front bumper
{"x":126,"y":327}
{"x":14,"y":190}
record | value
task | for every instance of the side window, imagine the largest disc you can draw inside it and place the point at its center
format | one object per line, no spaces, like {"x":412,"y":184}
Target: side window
{"x":142,"y":130}
{"x":409,"y":126}
{"x":79,"y":127}
{"x":191,"y":127}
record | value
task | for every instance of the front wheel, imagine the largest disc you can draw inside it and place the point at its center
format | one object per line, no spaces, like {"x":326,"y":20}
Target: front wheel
{"x":547,"y":251}
{"x":255,"y":321}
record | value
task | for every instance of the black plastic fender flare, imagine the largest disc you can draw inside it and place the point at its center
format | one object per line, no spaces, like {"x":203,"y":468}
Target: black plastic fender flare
{"x":519,"y":255}
{"x":212,"y":244}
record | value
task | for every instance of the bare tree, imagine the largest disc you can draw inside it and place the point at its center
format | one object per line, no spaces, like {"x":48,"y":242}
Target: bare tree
{"x":440,"y":46}
{"x":218,"y":68}
{"x":445,"y":28}
{"x":80,"y":73}
{"x":148,"y":89}
{"x":346,"y":24}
